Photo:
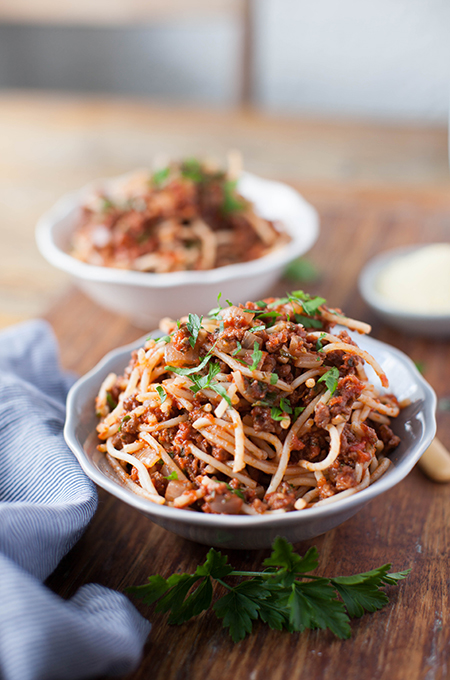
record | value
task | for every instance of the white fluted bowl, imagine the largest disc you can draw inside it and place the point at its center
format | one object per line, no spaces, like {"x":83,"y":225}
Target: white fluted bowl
{"x":415,"y":425}
{"x":146,"y":297}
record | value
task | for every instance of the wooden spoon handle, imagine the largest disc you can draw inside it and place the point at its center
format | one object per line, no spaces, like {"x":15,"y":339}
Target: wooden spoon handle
{"x":435,"y":462}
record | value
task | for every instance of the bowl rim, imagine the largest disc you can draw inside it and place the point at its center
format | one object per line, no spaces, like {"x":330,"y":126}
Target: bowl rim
{"x":302,"y":241}
{"x":368,"y":291}
{"x":395,"y":474}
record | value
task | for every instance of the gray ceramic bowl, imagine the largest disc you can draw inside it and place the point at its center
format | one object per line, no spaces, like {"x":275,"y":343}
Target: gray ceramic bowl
{"x":430,"y":325}
{"x":416,"y":425}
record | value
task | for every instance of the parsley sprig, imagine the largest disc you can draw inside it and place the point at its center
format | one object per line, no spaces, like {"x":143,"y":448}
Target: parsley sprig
{"x":201,"y":381}
{"x":231,"y":200}
{"x":285,"y":595}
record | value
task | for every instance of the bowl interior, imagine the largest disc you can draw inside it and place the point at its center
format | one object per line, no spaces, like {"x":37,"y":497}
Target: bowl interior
{"x":415,"y":425}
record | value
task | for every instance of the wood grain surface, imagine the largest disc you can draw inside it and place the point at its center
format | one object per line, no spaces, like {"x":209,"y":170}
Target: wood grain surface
{"x":408,"y":526}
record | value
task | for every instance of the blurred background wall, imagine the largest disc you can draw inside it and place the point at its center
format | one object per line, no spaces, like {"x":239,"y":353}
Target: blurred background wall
{"x":386,"y":60}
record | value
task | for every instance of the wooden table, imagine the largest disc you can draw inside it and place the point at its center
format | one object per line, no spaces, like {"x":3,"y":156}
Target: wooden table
{"x":408,"y":526}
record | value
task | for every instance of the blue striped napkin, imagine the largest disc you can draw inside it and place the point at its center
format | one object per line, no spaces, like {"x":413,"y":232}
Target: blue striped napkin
{"x":46,"y":502}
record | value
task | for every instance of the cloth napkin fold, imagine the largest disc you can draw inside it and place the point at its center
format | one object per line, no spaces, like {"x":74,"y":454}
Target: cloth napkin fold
{"x":46,"y":502}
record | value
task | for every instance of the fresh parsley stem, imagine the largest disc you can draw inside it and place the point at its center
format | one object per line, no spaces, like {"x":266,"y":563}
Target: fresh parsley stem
{"x":222,"y":583}
{"x":249,"y":573}
{"x":266,"y":574}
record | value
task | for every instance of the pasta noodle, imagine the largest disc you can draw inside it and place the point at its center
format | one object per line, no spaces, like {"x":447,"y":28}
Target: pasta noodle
{"x":229,"y":414}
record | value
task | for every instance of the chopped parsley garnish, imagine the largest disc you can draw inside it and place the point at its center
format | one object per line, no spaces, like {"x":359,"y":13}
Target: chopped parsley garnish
{"x":202,"y":381}
{"x":124,"y":420}
{"x":319,"y":346}
{"x":193,"y":324}
{"x":192,"y":169}
{"x":277,"y":414}
{"x":160,"y":176}
{"x":173,"y":477}
{"x":310,"y":305}
{"x":215,"y":313}
{"x":330,"y":378}
{"x":257,"y":328}
{"x":107,"y":204}
{"x":162,"y":393}
{"x":284,"y":410}
{"x":238,"y":492}
{"x":231,"y":201}
{"x":263,"y":312}
{"x":261,"y":304}
{"x":237,"y":350}
{"x":285,"y":596}
{"x":220,"y":389}
{"x":285,"y":405}
{"x":273,"y":378}
{"x":256,"y":356}
{"x":166,"y":338}
{"x":110,"y":401}
{"x":308,"y":322}
{"x":189,"y":371}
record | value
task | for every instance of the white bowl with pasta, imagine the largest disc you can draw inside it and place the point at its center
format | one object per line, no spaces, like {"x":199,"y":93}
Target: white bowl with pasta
{"x":415,"y":425}
{"x":146,"y":297}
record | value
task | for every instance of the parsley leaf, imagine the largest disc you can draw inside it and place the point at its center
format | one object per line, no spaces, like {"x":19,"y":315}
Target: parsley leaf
{"x":194,"y":323}
{"x":237,"y":611}
{"x":107,"y":204}
{"x":192,"y":169}
{"x":173,"y":476}
{"x":188,"y":371}
{"x":238,"y":492}
{"x":124,"y":420}
{"x":283,"y":555}
{"x":280,"y":413}
{"x":110,"y":401}
{"x":273,"y":378}
{"x":314,"y":605}
{"x":277,"y":414}
{"x":308,"y":322}
{"x":237,"y":350}
{"x":231,"y":201}
{"x":220,"y":389}
{"x":330,"y":378}
{"x":310,"y":305}
{"x":162,"y":393}
{"x":160,"y":176}
{"x":215,"y":312}
{"x":297,"y":411}
{"x":256,"y":356}
{"x":319,"y":346}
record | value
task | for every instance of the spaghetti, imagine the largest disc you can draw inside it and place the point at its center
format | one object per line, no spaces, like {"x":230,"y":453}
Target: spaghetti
{"x":186,"y":216}
{"x":254,"y":409}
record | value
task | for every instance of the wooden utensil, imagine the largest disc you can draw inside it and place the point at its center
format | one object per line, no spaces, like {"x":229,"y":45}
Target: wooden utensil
{"x":435,"y":462}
